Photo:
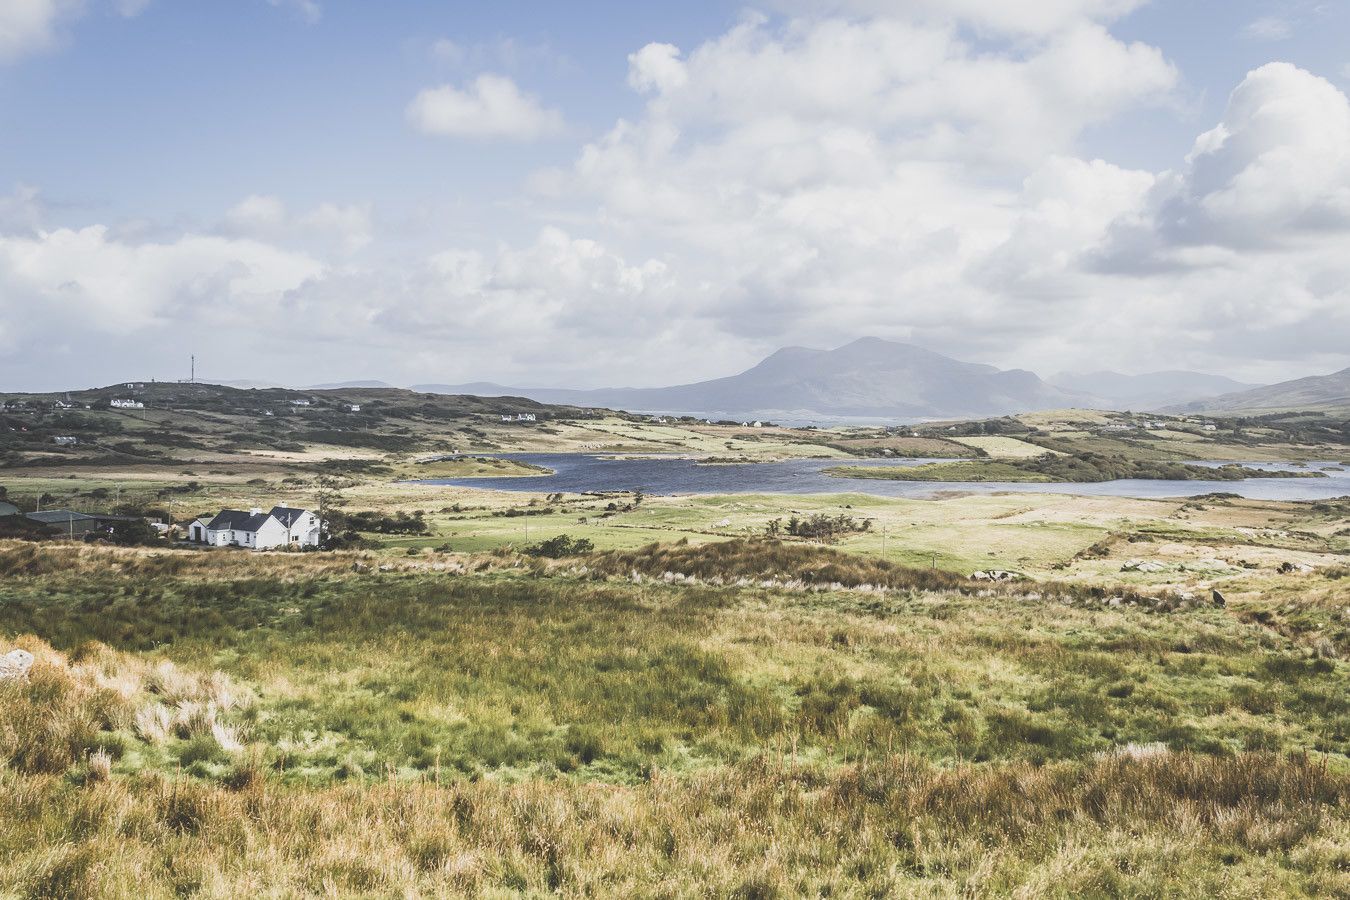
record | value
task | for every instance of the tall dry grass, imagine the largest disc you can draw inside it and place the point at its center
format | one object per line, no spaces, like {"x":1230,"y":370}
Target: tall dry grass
{"x":1167,"y":825}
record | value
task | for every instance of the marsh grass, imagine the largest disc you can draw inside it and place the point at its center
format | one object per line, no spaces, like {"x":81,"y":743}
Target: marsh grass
{"x":1164,"y":824}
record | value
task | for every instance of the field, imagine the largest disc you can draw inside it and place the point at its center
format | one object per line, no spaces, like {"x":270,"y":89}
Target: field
{"x":219,"y":724}
{"x":695,"y":704}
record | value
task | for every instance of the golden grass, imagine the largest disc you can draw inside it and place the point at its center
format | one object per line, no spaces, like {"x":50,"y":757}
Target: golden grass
{"x":1160,"y":824}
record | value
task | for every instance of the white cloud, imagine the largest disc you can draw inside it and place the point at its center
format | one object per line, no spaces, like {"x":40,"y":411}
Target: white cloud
{"x":656,"y":67}
{"x":347,"y":227}
{"x":1268,"y":28}
{"x":1275,"y":169}
{"x":31,"y":26}
{"x":83,"y":275}
{"x":491,"y":106}
{"x":28,"y":26}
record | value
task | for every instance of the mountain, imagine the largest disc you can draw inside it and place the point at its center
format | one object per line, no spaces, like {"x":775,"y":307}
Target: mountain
{"x":1152,"y":391}
{"x":869,"y":378}
{"x":340,"y":385}
{"x":244,"y":384}
{"x":1317,"y":393}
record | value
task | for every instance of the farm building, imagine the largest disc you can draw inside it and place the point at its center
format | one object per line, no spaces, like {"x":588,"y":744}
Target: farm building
{"x":255,"y":529}
{"x":69,"y":523}
{"x":119,"y":403}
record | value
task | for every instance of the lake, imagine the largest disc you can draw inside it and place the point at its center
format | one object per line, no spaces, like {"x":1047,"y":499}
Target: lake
{"x":575,"y":473}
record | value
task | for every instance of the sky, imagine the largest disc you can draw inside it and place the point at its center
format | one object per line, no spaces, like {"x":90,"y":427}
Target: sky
{"x":597,"y":194}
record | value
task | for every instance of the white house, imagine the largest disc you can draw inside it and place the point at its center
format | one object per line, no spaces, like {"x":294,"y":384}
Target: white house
{"x":255,"y":529}
{"x":118,"y":403}
{"x":65,"y":440}
{"x":300,"y":402}
{"x":353,"y":407}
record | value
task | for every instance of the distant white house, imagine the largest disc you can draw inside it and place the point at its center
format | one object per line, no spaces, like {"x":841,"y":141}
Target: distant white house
{"x":353,"y":407}
{"x":65,"y":440}
{"x":519,"y":417}
{"x":300,"y":402}
{"x":61,"y":404}
{"x":119,"y":403}
{"x":1209,"y":427}
{"x":254,"y":529}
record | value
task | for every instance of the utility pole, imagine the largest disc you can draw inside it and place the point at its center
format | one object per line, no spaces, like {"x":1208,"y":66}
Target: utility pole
{"x":883,"y":541}
{"x":192,"y":376}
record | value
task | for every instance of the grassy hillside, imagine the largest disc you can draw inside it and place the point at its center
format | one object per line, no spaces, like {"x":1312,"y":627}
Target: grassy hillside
{"x":205,"y":724}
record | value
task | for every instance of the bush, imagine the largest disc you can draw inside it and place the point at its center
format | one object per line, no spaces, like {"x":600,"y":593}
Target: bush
{"x":560,"y":546}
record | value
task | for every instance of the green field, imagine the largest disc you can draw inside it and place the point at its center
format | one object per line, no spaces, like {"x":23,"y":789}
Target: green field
{"x":496,"y":710}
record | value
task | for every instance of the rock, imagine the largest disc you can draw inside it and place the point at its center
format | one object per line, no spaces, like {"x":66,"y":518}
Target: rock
{"x":1141,"y":565}
{"x":15,"y":665}
{"x":1288,"y":568}
{"x":979,"y":576}
{"x":1218,"y":598}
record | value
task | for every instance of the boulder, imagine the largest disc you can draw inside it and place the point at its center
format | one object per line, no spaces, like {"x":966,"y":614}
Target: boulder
{"x":15,"y":664}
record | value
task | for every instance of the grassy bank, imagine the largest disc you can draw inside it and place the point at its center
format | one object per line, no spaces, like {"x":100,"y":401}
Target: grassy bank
{"x":1061,"y":468}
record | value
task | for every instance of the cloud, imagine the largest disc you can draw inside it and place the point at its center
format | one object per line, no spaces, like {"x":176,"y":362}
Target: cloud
{"x":327,"y":226}
{"x":1268,"y":28}
{"x":29,"y":26}
{"x":54,"y":278}
{"x":657,"y":67}
{"x":308,"y":11}
{"x":32,"y":26}
{"x":491,"y":106}
{"x":990,"y":17}
{"x":1274,"y":172}
{"x":913,"y":83}
{"x":507,"y":53}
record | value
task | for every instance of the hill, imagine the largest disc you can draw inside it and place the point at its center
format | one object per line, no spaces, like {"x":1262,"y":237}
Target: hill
{"x":1323,"y":393}
{"x":1151,"y":391}
{"x":868,"y":378}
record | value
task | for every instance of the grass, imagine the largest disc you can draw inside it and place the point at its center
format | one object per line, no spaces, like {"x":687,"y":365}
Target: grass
{"x":745,"y":719}
{"x":1164,"y":825}
{"x":964,"y":470}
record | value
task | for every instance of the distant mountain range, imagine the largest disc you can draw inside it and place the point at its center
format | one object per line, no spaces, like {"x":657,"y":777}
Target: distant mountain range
{"x":1318,"y":393}
{"x":867,"y":379}
{"x":872,"y":378}
{"x":1150,"y":392}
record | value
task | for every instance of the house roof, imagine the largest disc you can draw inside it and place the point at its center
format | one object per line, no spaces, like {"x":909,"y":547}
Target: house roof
{"x":238,"y":520}
{"x":287,"y":514}
{"x":8,"y":509}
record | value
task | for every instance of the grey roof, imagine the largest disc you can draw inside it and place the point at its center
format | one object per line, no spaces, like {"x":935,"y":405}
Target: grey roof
{"x":57,"y":516}
{"x":287,"y":514}
{"x":63,"y":516}
{"x":8,"y":509}
{"x":238,"y":520}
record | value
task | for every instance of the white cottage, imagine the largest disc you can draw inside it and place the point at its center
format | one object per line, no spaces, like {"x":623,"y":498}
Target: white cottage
{"x":254,"y":529}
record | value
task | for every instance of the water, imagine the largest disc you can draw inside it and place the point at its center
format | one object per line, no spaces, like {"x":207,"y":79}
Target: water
{"x":575,"y":473}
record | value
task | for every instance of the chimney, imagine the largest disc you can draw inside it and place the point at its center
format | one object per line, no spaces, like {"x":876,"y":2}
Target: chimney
{"x":255,"y":511}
